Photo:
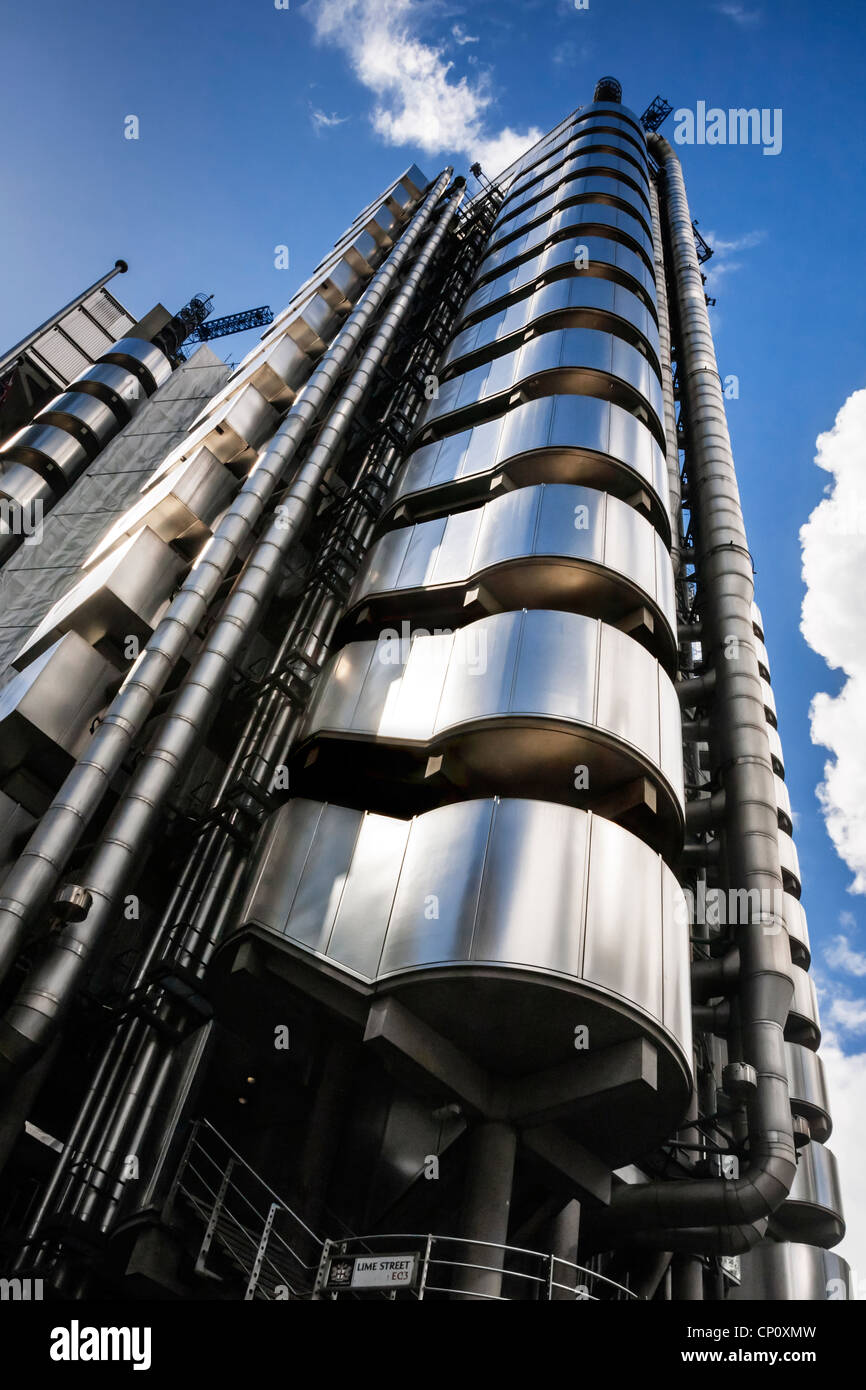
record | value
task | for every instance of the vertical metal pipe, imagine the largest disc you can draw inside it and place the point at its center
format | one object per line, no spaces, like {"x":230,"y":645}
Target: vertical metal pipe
{"x":742,"y":768}
{"x":30,"y":881}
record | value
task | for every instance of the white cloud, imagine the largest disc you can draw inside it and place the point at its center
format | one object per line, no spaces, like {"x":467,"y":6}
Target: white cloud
{"x":846,"y":1083}
{"x":460,"y":36}
{"x":841,"y":956}
{"x":833,"y":622}
{"x":418,"y":101}
{"x":322,"y":121}
{"x":724,"y":260}
{"x":740,"y":14}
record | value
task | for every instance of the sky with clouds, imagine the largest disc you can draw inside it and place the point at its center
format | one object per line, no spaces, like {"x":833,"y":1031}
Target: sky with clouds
{"x":271,"y":123}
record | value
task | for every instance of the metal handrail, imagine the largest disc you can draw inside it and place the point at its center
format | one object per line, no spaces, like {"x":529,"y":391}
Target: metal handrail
{"x":548,"y":1282}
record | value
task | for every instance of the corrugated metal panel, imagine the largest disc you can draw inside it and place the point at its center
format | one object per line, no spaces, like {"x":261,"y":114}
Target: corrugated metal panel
{"x":61,"y":355}
{"x":109,"y":314}
{"x":89,"y":336}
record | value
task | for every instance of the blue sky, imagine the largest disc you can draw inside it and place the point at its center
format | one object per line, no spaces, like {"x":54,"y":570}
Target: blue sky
{"x":262,"y":126}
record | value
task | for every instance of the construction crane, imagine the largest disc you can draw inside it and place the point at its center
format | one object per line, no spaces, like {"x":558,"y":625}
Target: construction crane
{"x":231,"y":323}
{"x":658,"y":110}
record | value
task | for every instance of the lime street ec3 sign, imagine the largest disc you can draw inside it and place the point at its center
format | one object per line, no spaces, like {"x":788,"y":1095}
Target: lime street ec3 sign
{"x":371,"y":1272}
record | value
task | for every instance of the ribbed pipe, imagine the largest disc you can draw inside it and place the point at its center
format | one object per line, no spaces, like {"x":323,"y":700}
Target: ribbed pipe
{"x":38,"y":1007}
{"x":741,"y":766}
{"x":30,"y":881}
{"x":672,"y":456}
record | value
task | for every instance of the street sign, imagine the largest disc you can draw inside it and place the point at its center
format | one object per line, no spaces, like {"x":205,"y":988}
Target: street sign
{"x":372,"y":1272}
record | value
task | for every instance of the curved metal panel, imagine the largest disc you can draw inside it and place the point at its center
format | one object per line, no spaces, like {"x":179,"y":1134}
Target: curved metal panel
{"x":597,"y":136}
{"x":144,"y":359}
{"x":51,"y":451}
{"x":803,"y":1025}
{"x":116,"y":386}
{"x":24,"y":486}
{"x":583,"y":361}
{"x":783,"y":805}
{"x":564,"y":231}
{"x":180,"y":507}
{"x":567,"y":439}
{"x":601,"y":123}
{"x":597,"y":163}
{"x":757,"y":620}
{"x":783,"y":1272}
{"x":580,"y":300}
{"x":550,"y":546}
{"x":121,"y":597}
{"x":85,"y":417}
{"x":605,"y":150}
{"x":602,"y":189}
{"x":776,"y":754}
{"x":45,"y":717}
{"x":769,"y":700}
{"x":807,"y":1087}
{"x":790,"y":862}
{"x":607,"y":261}
{"x":235,"y":428}
{"x":813,"y":1210}
{"x":590,"y":219}
{"x":763,"y":658}
{"x":511,"y":702}
{"x":525,"y":900}
{"x":798,"y":931}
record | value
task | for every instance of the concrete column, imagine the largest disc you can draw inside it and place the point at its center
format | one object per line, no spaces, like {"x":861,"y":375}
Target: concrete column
{"x":486,"y":1208}
{"x":687,"y":1279}
{"x":563,"y":1236}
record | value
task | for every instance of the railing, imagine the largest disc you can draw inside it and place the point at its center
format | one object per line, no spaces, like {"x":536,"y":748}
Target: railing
{"x":247,"y":1225}
{"x":440,"y":1268}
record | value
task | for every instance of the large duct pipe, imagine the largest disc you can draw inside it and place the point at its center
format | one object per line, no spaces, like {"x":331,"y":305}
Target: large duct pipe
{"x":672,"y":454}
{"x":742,"y":769}
{"x":33,"y":1016}
{"x":11,"y":357}
{"x":30,"y":881}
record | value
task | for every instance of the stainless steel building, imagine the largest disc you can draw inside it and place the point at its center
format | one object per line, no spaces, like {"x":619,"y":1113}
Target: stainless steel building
{"x":397,"y":834}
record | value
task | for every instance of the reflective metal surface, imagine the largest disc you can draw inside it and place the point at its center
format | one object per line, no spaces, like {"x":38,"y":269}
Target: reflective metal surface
{"x":593,"y":136}
{"x":591,"y":188}
{"x":807,"y":1087}
{"x":776,"y":753}
{"x":48,"y":449}
{"x":116,"y":386}
{"x":578,"y":300}
{"x":557,"y":439}
{"x":511,"y":703}
{"x":813,"y":1211}
{"x":551,"y":546}
{"x":45,"y":717}
{"x":583,"y":361}
{"x":234,"y":430}
{"x":85,"y":417}
{"x":769,"y":702}
{"x":182,"y":507}
{"x":527,"y":908}
{"x":23,"y":485}
{"x":592,"y":160}
{"x":783,"y":802}
{"x":599,"y":128}
{"x":143,"y":359}
{"x":119,"y":599}
{"x":757,"y":621}
{"x":790,"y":862}
{"x":803,"y":1025}
{"x":607,"y":261}
{"x":781,"y":1272}
{"x":798,"y":931}
{"x":573,"y":221}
